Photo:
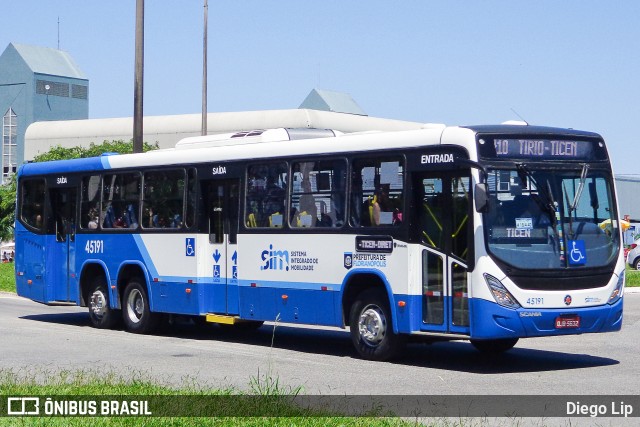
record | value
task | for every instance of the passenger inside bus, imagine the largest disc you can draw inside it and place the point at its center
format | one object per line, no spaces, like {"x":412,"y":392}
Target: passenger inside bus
{"x":381,"y":207}
{"x":325,"y":219}
{"x":93,"y":219}
{"x":129,"y":217}
{"x":274,"y":206}
{"x":38,"y":221}
{"x":308,"y":211}
{"x":109,"y":217}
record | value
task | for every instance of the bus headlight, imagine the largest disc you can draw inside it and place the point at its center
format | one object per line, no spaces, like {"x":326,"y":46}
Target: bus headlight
{"x":617,"y":292}
{"x":500,"y":293}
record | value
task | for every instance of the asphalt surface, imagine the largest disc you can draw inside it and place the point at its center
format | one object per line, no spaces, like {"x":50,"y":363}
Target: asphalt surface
{"x":37,"y":340}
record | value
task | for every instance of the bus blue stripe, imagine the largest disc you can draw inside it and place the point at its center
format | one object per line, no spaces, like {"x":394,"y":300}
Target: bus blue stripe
{"x":105,"y":162}
{"x":145,"y":255}
{"x":64,"y":166}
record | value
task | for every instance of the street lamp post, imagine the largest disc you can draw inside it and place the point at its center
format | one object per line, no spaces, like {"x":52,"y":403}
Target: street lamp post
{"x":138,"y":79}
{"x":204,"y":70}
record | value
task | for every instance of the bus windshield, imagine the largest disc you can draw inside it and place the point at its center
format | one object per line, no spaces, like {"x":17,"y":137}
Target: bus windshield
{"x":551,"y":219}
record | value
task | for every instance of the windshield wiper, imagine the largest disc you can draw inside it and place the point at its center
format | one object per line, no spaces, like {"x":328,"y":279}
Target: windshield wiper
{"x":576,"y":198}
{"x":546,"y":203}
{"x":583,"y":179}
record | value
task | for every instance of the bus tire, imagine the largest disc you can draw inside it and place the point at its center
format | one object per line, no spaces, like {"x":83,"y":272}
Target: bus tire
{"x":136,"y":313}
{"x":494,"y":346}
{"x":101,"y":315}
{"x":371,"y":328}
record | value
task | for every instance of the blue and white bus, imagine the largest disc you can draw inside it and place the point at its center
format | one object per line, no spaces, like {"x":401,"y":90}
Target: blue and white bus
{"x":481,"y":233}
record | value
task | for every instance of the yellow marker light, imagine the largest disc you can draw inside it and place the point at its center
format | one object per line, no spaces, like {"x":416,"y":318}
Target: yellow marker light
{"x":401,"y":304}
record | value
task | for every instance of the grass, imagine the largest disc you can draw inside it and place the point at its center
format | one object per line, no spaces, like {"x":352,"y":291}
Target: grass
{"x":7,"y":277}
{"x":85,"y":384}
{"x":633,"y":278}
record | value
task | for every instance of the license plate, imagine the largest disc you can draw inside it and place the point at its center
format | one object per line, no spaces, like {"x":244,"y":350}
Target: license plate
{"x":567,"y":322}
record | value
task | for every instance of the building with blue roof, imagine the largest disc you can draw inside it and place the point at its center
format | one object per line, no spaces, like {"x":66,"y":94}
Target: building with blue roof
{"x":36,"y":84}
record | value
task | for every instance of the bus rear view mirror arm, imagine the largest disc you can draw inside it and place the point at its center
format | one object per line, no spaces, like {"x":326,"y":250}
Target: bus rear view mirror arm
{"x":481,"y":197}
{"x":481,"y":193}
{"x":475,"y":165}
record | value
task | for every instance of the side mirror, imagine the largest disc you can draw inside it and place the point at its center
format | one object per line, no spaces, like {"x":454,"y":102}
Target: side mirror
{"x":481,"y":197}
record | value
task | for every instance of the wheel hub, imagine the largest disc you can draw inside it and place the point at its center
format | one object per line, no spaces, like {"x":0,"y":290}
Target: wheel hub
{"x":372,"y":325}
{"x":135,"y":306}
{"x":98,"y":304}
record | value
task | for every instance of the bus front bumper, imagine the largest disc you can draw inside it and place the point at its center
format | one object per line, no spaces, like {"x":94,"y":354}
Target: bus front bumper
{"x":492,"y":321}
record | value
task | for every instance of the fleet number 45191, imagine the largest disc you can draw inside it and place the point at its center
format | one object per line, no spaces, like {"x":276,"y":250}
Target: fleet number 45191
{"x":94,"y":247}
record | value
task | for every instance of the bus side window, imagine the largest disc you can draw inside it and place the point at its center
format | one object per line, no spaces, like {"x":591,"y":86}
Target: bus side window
{"x":31,"y":207}
{"x":120,"y":196}
{"x":163,"y":199}
{"x":377,"y":196}
{"x":318,"y":194}
{"x":90,"y":202}
{"x":190,"y":209}
{"x":266,"y":195}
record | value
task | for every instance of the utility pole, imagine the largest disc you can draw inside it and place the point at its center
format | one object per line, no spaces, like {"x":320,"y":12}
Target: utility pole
{"x":138,"y":79}
{"x":204,"y":70}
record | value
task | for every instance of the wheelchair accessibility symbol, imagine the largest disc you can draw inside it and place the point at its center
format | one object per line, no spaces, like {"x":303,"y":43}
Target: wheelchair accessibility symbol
{"x":578,"y":252}
{"x":190,"y":247}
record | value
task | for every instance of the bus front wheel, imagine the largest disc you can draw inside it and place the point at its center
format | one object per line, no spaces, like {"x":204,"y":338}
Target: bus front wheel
{"x":371,"y":328}
{"x":494,"y":346}
{"x":137,"y":315}
{"x":101,"y":314}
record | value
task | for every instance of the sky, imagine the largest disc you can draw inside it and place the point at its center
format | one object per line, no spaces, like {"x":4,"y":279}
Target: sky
{"x":569,"y":63}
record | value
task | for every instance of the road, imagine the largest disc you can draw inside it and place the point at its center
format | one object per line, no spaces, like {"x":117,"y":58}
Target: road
{"x":35,"y":338}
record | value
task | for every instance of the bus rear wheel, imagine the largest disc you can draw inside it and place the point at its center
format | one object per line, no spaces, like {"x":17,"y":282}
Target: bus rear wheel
{"x":494,"y":346}
{"x":101,"y":314}
{"x":371,"y":328}
{"x":136,"y":313}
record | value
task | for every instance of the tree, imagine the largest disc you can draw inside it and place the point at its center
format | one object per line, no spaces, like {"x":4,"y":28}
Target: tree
{"x":8,"y":191}
{"x":94,"y":150}
{"x":7,"y":209}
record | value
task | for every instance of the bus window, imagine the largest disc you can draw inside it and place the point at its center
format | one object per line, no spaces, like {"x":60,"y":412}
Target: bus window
{"x":163,"y":203}
{"x":460,"y":216}
{"x":266,"y":194}
{"x":120,"y":197}
{"x":31,"y":206}
{"x":432,"y":288}
{"x":431,"y":217}
{"x":90,"y":202}
{"x":377,"y":192}
{"x":318,"y":194}
{"x":190,"y":211}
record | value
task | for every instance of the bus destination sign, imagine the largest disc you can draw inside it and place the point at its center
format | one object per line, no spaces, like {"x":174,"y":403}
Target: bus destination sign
{"x":543,"y":149}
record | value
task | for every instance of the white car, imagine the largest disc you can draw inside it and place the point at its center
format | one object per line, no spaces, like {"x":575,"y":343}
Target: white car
{"x":633,"y":257}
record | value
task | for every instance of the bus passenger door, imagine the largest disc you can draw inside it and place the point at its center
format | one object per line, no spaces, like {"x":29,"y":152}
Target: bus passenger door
{"x":221,"y":199}
{"x":62,"y":224}
{"x":442,"y":200}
